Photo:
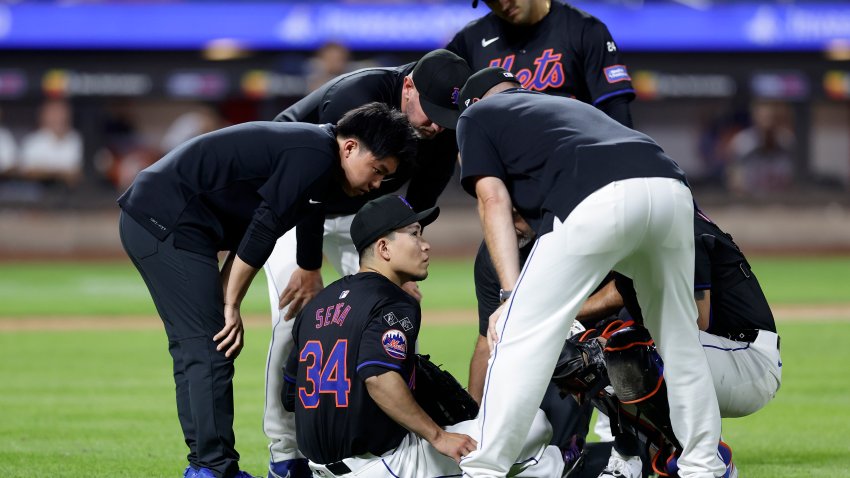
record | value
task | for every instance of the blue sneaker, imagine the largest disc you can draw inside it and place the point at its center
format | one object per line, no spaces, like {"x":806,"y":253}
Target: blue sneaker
{"x":295,"y":468}
{"x":190,"y":472}
{"x":723,"y":451}
{"x":206,"y":473}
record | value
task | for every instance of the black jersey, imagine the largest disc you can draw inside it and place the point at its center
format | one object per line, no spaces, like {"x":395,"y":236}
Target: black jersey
{"x":737,"y":300}
{"x":238,"y":188}
{"x":428,"y":176}
{"x":358,"y":327}
{"x":552,"y":152}
{"x":487,"y":284}
{"x":567,"y":53}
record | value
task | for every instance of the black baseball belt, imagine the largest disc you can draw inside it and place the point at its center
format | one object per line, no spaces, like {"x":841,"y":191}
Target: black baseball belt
{"x":748,"y":335}
{"x":338,"y":468}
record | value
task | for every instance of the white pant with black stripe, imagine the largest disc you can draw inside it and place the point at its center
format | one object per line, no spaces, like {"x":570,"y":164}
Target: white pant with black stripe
{"x":278,"y":424}
{"x":416,"y":458}
{"x":642,"y":228}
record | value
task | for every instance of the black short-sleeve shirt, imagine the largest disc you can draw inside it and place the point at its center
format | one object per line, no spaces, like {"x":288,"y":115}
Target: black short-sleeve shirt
{"x":568,"y":53}
{"x":213,"y":189}
{"x":358,"y":327}
{"x":552,"y":152}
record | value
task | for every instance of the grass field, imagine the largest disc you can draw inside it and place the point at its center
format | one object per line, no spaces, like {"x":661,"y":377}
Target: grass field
{"x":99,"y":402}
{"x":38,"y":289}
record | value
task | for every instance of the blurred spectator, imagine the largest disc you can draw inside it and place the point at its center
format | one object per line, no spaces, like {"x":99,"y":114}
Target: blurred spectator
{"x":8,"y":149}
{"x":203,"y":119}
{"x":53,"y":153}
{"x":330,"y":61}
{"x":762,"y":156}
{"x":124,"y":153}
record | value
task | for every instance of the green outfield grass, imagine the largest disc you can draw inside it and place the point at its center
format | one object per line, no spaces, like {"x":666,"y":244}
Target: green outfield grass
{"x":101,"y":404}
{"x":37,"y":289}
{"x":86,"y":403}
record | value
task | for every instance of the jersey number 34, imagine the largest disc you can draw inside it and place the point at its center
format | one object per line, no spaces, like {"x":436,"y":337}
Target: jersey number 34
{"x":324,"y":376}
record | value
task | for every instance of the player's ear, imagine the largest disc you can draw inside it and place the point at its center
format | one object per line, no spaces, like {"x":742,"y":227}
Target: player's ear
{"x":407,"y":87}
{"x":349,"y":146}
{"x":382,"y":248}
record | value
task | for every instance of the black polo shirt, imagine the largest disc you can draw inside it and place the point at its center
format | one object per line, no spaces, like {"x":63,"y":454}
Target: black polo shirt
{"x":568,"y":53}
{"x":428,"y":176}
{"x":238,"y":188}
{"x":360,"y":326}
{"x":552,"y":152}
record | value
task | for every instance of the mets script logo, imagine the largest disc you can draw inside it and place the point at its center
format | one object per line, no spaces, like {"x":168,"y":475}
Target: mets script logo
{"x":548,"y":71}
{"x":395,"y":344}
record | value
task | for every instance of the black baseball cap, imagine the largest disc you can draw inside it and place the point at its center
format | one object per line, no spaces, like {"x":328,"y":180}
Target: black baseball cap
{"x":481,"y":82}
{"x":381,"y":216}
{"x":438,"y":77}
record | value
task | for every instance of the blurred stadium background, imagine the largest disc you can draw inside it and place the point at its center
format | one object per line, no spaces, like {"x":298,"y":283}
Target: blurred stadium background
{"x":717,"y":82}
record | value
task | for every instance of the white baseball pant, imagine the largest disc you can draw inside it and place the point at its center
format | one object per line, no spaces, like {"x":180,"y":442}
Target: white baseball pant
{"x":642,"y":228}
{"x":416,"y":458}
{"x":746,"y":375}
{"x":278,"y":424}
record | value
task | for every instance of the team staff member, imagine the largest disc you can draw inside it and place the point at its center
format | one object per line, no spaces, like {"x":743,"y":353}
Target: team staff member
{"x":602,"y":197}
{"x":237,"y":189}
{"x":551,"y":47}
{"x":426,"y":92}
{"x":350,"y":374}
{"x":557,"y":49}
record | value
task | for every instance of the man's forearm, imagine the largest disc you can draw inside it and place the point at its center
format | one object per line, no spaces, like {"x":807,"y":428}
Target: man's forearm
{"x":391,"y":394}
{"x":603,"y":303}
{"x":494,"y":208}
{"x":478,"y":368}
{"x":238,"y":280}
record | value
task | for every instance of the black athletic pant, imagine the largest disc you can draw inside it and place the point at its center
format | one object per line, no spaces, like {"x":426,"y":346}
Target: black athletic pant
{"x":187,"y":291}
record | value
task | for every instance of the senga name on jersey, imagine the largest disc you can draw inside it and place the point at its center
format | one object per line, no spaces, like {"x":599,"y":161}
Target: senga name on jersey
{"x":332,"y":314}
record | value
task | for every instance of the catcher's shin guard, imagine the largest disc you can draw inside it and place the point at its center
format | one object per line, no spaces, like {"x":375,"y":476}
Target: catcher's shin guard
{"x":636,"y":373}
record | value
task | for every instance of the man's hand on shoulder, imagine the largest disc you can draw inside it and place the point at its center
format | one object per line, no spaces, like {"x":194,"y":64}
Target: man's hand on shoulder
{"x":412,"y":288}
{"x":303,"y":286}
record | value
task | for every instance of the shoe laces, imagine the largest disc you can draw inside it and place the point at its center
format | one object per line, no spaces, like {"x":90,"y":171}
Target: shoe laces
{"x":617,"y":466}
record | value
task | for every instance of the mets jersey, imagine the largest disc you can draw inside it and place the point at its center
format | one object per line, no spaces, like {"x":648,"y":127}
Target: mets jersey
{"x":568,"y":53}
{"x":360,"y":326}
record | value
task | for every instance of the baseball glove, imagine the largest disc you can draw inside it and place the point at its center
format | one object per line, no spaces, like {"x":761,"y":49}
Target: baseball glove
{"x":440,"y":394}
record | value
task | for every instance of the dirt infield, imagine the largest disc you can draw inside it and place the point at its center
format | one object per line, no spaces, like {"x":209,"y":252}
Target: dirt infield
{"x":789,"y":313}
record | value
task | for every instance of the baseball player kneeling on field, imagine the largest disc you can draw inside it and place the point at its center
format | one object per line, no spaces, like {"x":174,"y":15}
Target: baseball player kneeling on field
{"x":351,"y":372}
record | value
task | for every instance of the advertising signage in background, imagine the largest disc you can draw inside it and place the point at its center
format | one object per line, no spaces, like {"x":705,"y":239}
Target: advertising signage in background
{"x":408,"y":26}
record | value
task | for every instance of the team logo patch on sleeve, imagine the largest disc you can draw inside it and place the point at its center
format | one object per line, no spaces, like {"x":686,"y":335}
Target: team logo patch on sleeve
{"x":395,"y":344}
{"x":617,"y":73}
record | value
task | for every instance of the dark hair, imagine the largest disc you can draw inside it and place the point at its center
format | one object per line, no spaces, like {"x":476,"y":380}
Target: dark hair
{"x":383,"y":130}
